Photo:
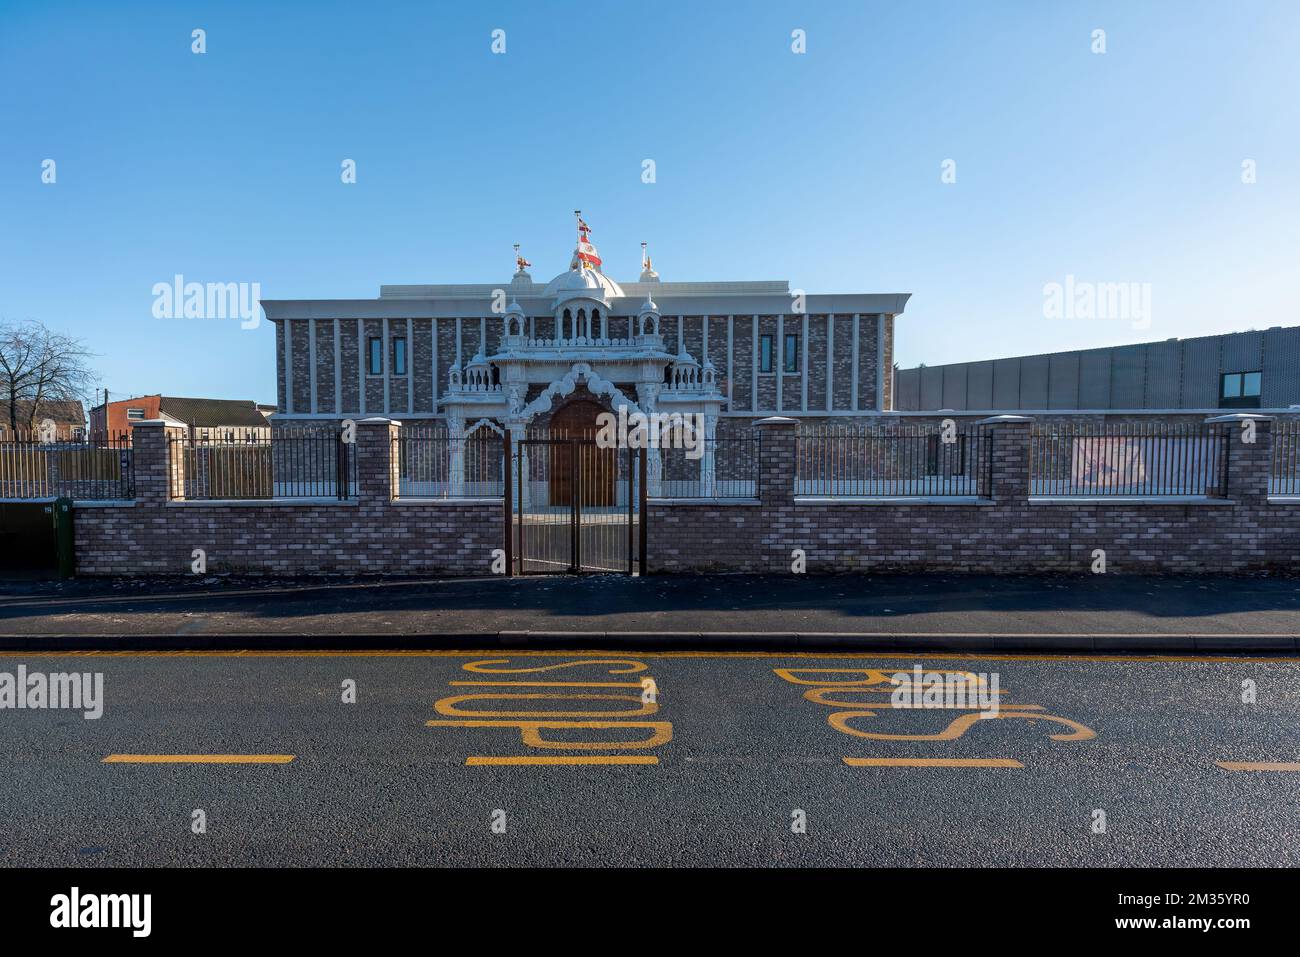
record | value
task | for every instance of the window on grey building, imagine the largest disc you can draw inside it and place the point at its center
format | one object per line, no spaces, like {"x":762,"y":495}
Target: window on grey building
{"x":375,"y":352}
{"x":1239,"y":390}
{"x":790,"y":357}
{"x":765,"y":353}
{"x":399,"y":355}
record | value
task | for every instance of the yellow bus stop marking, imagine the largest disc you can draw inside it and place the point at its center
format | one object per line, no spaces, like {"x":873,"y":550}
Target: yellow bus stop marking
{"x":198,"y":759}
{"x":933,"y":763}
{"x":516,"y":760}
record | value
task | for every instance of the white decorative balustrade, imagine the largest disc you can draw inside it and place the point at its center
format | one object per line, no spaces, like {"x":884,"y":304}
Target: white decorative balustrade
{"x":522,"y":344}
{"x":476,"y":378}
{"x":686,"y":375}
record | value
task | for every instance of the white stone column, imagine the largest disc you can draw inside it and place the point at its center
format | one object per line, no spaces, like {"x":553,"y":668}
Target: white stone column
{"x":456,"y":453}
{"x":523,"y":484}
{"x":707,"y":463}
{"x":647,"y":394}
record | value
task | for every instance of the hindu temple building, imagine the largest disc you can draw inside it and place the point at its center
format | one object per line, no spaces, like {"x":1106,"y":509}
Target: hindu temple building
{"x":525,"y":355}
{"x":517,"y":352}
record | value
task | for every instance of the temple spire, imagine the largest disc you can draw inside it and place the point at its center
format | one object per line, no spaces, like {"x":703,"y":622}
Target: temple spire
{"x":520,"y":262}
{"x":648,"y":273}
{"x":585,"y":255}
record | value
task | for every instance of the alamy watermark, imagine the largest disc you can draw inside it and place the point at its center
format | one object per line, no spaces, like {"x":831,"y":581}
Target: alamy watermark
{"x":213,"y":300}
{"x":1075,"y":299}
{"x":656,"y":430}
{"x":79,"y":691}
{"x":74,"y":909}
{"x":947,"y":689}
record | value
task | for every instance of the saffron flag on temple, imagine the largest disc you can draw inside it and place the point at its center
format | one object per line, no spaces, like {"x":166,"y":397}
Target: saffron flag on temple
{"x":586,"y":252}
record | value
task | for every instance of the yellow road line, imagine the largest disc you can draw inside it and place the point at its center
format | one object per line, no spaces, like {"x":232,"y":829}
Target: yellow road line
{"x":549,"y":684}
{"x":478,"y":760}
{"x":933,"y":763}
{"x":198,"y":759}
{"x":1259,"y":765}
{"x":1062,"y":658}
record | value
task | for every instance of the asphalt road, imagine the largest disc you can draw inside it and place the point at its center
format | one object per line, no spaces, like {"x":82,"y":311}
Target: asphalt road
{"x":730,"y":747}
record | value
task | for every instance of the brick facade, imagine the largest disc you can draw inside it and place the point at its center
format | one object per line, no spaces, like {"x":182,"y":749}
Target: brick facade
{"x":829,"y":361}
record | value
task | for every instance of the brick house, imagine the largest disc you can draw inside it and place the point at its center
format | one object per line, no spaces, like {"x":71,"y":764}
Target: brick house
{"x":68,"y":416}
{"x":215,"y":420}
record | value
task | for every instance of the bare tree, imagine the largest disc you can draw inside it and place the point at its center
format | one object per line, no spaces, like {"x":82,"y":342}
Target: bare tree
{"x":37,"y":366}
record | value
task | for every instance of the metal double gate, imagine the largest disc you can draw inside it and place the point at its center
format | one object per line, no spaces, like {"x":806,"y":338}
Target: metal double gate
{"x":573,"y":506}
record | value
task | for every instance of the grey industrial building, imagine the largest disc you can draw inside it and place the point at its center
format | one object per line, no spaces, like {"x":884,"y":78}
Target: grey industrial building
{"x":1240,"y":370}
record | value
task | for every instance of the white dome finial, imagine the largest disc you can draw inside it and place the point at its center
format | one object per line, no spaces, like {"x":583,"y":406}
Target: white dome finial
{"x":648,"y":273}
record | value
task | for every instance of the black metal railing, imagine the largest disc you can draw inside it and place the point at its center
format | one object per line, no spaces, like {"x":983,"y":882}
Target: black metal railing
{"x":100,"y":470}
{"x":291,"y":464}
{"x":1136,"y":459}
{"x":928,"y":461}
{"x":433,"y":464}
{"x":725,"y":467}
{"x":1284,"y":468}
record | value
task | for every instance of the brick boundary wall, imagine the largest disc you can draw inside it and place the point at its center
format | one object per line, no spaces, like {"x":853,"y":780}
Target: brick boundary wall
{"x":372,"y":533}
{"x":1009,"y":532}
{"x":378,"y":533}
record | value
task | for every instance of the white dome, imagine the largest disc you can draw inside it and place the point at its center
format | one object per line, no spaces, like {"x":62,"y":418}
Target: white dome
{"x":582,"y":283}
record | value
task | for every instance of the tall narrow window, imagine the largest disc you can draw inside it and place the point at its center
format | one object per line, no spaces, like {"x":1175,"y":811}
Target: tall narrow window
{"x":375,"y":352}
{"x":790,"y":357}
{"x":765,"y":353}
{"x":399,"y":355}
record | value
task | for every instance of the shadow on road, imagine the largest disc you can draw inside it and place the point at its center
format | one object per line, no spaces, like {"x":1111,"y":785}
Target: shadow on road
{"x":733,"y":603}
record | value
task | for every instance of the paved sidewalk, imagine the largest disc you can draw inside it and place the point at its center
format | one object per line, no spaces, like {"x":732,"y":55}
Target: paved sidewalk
{"x":967,"y":613}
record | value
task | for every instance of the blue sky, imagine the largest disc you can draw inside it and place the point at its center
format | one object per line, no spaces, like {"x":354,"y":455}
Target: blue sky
{"x":822,"y":168}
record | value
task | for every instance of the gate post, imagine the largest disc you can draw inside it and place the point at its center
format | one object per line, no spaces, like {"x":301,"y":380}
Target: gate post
{"x":378,"y":472}
{"x":1246,"y":465}
{"x":65,"y":537}
{"x":159,"y":463}
{"x":575,"y":503}
{"x":1009,"y":457}
{"x":642,"y":506}
{"x":778,"y":460}
{"x":507,"y":502}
